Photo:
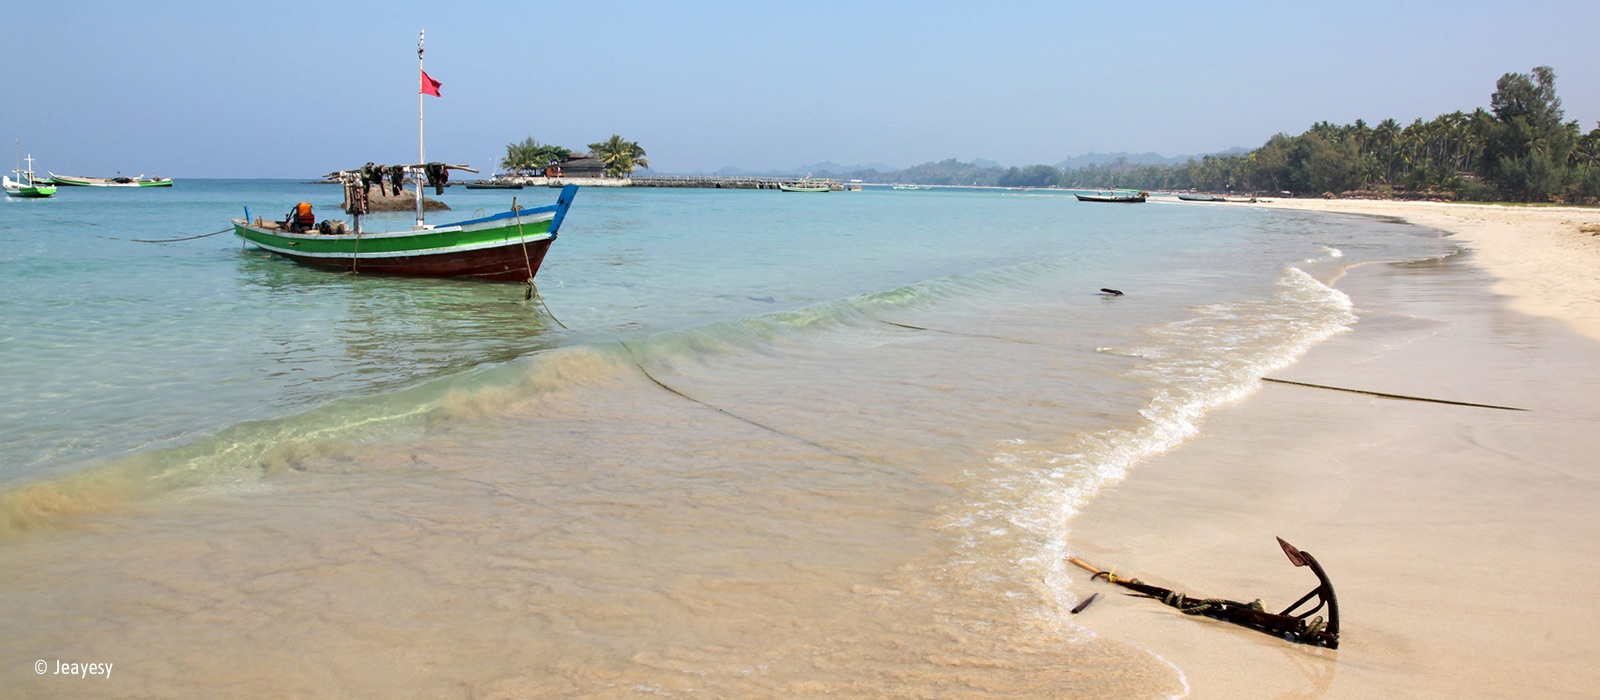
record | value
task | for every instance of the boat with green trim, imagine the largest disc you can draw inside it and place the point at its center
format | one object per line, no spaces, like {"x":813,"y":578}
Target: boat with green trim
{"x":25,"y":186}
{"x":807,"y":184}
{"x":119,"y":181}
{"x":508,"y":246}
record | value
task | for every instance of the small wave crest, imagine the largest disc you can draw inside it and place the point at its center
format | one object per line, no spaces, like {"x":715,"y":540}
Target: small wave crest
{"x":1214,"y":356}
{"x":244,"y":454}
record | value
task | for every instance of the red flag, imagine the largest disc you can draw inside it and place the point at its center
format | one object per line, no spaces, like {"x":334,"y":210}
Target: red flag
{"x":429,"y":85}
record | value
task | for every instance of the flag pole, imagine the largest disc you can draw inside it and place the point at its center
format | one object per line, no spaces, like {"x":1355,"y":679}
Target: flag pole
{"x":422,"y":157}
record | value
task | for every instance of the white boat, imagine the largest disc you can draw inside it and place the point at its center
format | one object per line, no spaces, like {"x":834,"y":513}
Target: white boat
{"x":140,"y":181}
{"x":808,"y":184}
{"x":25,"y":186}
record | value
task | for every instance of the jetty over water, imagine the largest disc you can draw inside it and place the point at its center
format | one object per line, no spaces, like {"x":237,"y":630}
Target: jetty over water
{"x":742,"y":182}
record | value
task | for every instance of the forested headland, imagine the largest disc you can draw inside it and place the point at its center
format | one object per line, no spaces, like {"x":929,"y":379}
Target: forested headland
{"x":1520,"y":149}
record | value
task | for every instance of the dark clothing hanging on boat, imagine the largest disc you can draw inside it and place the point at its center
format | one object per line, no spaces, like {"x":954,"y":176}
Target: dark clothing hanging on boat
{"x":438,"y":176}
{"x":397,"y":179}
{"x":369,"y":175}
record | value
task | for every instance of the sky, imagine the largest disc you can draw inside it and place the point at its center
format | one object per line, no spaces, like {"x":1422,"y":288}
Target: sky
{"x":298,"y":89}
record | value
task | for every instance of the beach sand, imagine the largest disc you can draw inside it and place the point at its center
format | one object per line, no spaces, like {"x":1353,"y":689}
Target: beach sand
{"x":1460,"y":540}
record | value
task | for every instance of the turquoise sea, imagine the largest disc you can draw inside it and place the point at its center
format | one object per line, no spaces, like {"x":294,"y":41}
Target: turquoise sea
{"x":745,"y":443}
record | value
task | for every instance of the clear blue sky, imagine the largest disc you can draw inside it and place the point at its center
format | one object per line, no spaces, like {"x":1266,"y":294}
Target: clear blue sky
{"x":297,"y":89}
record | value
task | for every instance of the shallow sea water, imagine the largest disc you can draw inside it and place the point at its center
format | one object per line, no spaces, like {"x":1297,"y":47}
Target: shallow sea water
{"x":775,"y":445}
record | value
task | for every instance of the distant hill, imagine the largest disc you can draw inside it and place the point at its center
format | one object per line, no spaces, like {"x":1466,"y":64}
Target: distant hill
{"x":813,"y":169}
{"x":952,"y":172}
{"x":1151,"y":158}
{"x":831,"y":167}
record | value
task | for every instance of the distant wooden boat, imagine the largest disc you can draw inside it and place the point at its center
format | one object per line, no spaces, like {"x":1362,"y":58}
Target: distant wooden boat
{"x":494,"y":185}
{"x":141,"y":181}
{"x":1119,"y":196}
{"x":1201,"y":198}
{"x":806,"y":185}
{"x":25,"y":186}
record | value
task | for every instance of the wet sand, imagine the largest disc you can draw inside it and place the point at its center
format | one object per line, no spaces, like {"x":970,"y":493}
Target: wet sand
{"x":1459,"y":539}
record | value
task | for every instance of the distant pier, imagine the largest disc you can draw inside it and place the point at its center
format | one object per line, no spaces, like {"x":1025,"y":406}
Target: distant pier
{"x":742,"y":182}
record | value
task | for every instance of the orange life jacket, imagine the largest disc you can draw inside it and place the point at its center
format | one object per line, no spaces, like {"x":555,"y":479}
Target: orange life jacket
{"x":303,"y":215}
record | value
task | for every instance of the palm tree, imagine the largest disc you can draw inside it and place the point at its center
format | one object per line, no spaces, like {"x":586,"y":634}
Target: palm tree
{"x":620,"y":156}
{"x":530,"y":156}
{"x":1386,"y":146}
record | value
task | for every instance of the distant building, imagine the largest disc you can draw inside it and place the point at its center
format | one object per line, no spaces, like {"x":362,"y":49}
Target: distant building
{"x":579,"y":166}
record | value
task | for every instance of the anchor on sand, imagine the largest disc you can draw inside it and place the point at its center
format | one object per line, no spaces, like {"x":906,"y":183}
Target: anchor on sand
{"x":1287,"y":624}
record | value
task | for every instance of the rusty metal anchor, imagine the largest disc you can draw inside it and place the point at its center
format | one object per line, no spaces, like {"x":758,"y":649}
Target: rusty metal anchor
{"x":1292,"y":626}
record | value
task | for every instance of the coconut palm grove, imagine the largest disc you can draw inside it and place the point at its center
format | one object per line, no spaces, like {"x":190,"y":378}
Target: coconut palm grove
{"x":1520,"y":149}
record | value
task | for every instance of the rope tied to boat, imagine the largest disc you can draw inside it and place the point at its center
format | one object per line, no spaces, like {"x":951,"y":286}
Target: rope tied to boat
{"x":526,"y":260}
{"x":175,"y":240}
{"x":533,"y":292}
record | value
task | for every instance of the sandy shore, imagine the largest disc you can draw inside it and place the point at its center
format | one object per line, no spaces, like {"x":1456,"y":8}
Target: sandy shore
{"x":1546,"y":260}
{"x":1460,"y":540}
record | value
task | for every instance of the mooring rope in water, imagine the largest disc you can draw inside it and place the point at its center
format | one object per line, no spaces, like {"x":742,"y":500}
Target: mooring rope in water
{"x":1402,"y":397}
{"x":175,"y":240}
{"x":635,"y":358}
{"x":355,"y":255}
{"x":526,"y":261}
{"x":534,"y":293}
{"x":908,"y":326}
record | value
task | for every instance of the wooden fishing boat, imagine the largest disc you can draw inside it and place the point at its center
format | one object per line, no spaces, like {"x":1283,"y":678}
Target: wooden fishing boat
{"x":1201,"y":198}
{"x":508,"y":246}
{"x":25,"y":186}
{"x":141,"y":181}
{"x":806,"y":185}
{"x":493,"y":185}
{"x":1120,"y":196}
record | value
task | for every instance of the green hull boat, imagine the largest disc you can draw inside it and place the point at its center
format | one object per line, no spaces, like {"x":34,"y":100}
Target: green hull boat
{"x":508,"y":246}
{"x":25,"y":186}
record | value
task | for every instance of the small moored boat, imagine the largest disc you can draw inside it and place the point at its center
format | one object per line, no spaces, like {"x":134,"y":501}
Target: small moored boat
{"x":807,"y":185}
{"x":25,"y":186}
{"x":508,"y":246}
{"x":140,"y":181}
{"x":1121,"y":196}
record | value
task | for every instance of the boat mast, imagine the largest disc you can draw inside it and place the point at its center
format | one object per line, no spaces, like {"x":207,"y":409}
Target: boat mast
{"x":422,"y":157}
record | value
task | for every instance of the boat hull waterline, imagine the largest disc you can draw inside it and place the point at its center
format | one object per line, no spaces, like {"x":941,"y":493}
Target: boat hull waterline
{"x":1115,"y":198}
{"x":27,"y":188}
{"x":141,"y":181}
{"x":509,"y":246}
